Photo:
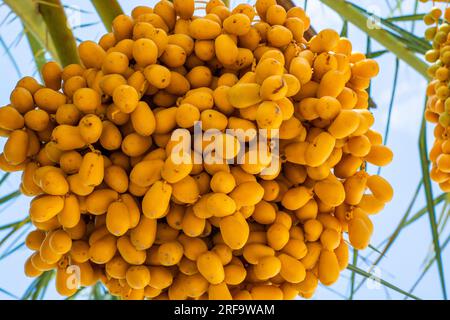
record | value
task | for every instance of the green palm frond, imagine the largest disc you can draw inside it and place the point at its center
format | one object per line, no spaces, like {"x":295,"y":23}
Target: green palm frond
{"x":59,"y":30}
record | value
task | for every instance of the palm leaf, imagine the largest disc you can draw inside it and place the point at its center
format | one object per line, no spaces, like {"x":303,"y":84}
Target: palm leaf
{"x":13,"y":246}
{"x":416,"y":7}
{"x":400,"y":31}
{"x":381,"y":281}
{"x":9,"y":294}
{"x":4,"y":177}
{"x":10,"y":57}
{"x":391,"y":102}
{"x":13,"y":250}
{"x":344,"y":31}
{"x":407,"y":17}
{"x":428,"y":266}
{"x":37,"y":289}
{"x":395,"y":234}
{"x":442,"y":223}
{"x":9,"y":197}
{"x":419,"y":214}
{"x":353,"y":275}
{"x":376,"y":54}
{"x":85,"y":25}
{"x":13,"y":230}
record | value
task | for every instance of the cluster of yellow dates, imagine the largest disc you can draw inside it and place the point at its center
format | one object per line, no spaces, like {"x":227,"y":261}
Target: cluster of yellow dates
{"x":438,"y":94}
{"x":94,"y":145}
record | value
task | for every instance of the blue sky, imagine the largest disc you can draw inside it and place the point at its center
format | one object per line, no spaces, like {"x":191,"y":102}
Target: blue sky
{"x":403,"y":263}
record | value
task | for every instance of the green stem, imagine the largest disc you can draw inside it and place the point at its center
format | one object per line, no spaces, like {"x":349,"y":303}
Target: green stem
{"x":353,"y":276}
{"x":107,"y":10}
{"x":10,"y":196}
{"x":58,"y":27}
{"x":37,"y":50}
{"x":353,"y":15}
{"x":27,"y":11}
